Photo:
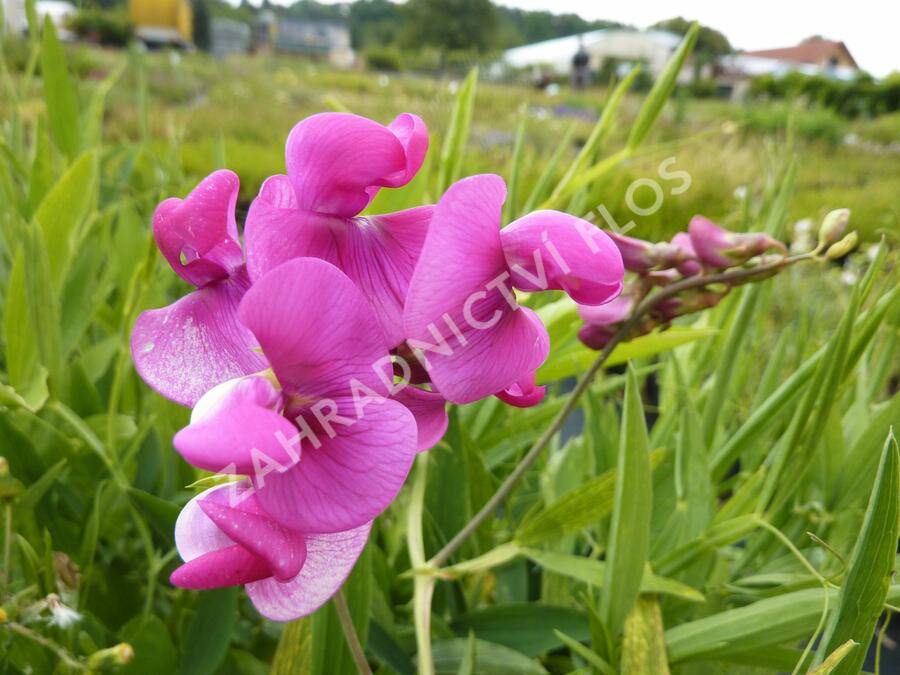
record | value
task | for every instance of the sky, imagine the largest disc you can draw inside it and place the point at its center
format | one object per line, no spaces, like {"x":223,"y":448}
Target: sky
{"x":869,"y":28}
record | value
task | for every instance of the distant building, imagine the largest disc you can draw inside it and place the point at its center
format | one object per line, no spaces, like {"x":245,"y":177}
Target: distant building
{"x":162,"y":22}
{"x":815,"y":56}
{"x":652,"y":48}
{"x":14,"y":18}
{"x":319,"y":39}
{"x":229,"y":37}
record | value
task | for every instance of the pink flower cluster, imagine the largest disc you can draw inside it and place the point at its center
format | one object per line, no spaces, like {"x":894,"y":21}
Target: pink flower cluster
{"x":704,"y":248}
{"x":319,"y":356}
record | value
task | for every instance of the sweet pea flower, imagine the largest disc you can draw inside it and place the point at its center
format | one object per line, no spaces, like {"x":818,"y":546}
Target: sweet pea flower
{"x":718,"y":248}
{"x":185,"y":349}
{"x":326,"y":448}
{"x":336,"y":163}
{"x":461,"y":314}
{"x":226,"y":538}
{"x":602,"y":322}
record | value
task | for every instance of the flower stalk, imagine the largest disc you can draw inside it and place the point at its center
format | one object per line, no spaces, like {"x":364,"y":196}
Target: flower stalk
{"x":353,"y":643}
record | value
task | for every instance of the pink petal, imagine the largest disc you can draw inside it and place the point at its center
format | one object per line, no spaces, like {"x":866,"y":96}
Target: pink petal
{"x":461,"y":276}
{"x":610,"y":313}
{"x":553,"y":250}
{"x":198,"y":235}
{"x":184,"y":350}
{"x":283,"y":551}
{"x":523,"y":394}
{"x":317,"y":330}
{"x":333,"y":159}
{"x":689,"y":266}
{"x":330,"y":559}
{"x":430,"y":410}
{"x":351,"y":477}
{"x":378,"y":253}
{"x":237,"y":432}
{"x":230,"y":566}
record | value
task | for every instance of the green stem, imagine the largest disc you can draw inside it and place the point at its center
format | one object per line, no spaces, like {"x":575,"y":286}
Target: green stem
{"x":356,"y":648}
{"x":7,"y":541}
{"x":423,"y":585}
{"x":48,"y":644}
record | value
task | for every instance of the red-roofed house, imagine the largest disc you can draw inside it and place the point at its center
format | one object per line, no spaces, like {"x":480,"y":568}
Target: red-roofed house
{"x":816,"y":51}
{"x":815,"y":56}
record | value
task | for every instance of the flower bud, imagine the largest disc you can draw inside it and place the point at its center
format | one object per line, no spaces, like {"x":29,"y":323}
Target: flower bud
{"x":687,"y":262}
{"x":833,"y":227}
{"x":119,"y":655}
{"x":717,"y":247}
{"x":637,"y":254}
{"x":843,"y":247}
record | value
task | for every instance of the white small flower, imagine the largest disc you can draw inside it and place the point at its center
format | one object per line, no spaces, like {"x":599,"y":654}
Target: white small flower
{"x":60,"y":614}
{"x":849,"y":277}
{"x":740,"y":192}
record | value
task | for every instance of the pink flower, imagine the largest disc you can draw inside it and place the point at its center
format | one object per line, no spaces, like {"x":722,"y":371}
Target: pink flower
{"x":336,"y":163}
{"x":226,"y":538}
{"x":326,"y":449}
{"x":601,"y":323}
{"x":185,"y":349}
{"x":643,"y":256}
{"x":461,"y":312}
{"x":718,"y":248}
{"x":687,"y":264}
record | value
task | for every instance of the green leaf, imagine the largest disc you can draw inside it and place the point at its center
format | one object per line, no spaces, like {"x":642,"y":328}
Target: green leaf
{"x":865,"y":586}
{"x":39,"y":488}
{"x":574,"y":358}
{"x":662,"y":89}
{"x":467,"y":665}
{"x":154,"y":652}
{"x":543,"y":182}
{"x":43,"y":308}
{"x":26,"y":375}
{"x":161,"y":514}
{"x":42,"y":170}
{"x":64,"y":209}
{"x":784,"y":619}
{"x":59,"y":93}
{"x":644,"y":645}
{"x":491,"y":659}
{"x":592,"y":657}
{"x":209,"y":634}
{"x":567,"y":185}
{"x":454,"y":148}
{"x":629,"y":534}
{"x":526,"y":627}
{"x":294,"y":652}
{"x":585,"y":505}
{"x":593,"y":573}
{"x":515,"y":167}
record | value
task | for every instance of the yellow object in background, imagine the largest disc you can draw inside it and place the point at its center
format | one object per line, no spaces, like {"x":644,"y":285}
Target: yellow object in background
{"x":163,"y":20}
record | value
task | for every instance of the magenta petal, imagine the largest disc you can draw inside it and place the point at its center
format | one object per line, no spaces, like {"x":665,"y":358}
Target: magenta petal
{"x":430,"y":410}
{"x":610,"y":313}
{"x":459,"y":310}
{"x":378,"y":253}
{"x":284,"y":551}
{"x":230,"y":566}
{"x":238,"y":433}
{"x":198,"y":235}
{"x":330,"y":559}
{"x":317,"y":330}
{"x":333,"y":159}
{"x":523,"y":394}
{"x":351,"y":477}
{"x":553,"y":250}
{"x":184,"y":350}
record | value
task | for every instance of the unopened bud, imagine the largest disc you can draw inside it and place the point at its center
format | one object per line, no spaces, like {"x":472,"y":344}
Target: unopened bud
{"x":4,"y":617}
{"x":843,"y":247}
{"x":833,"y":227}
{"x":9,"y":486}
{"x":4,"y":466}
{"x":119,"y":655}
